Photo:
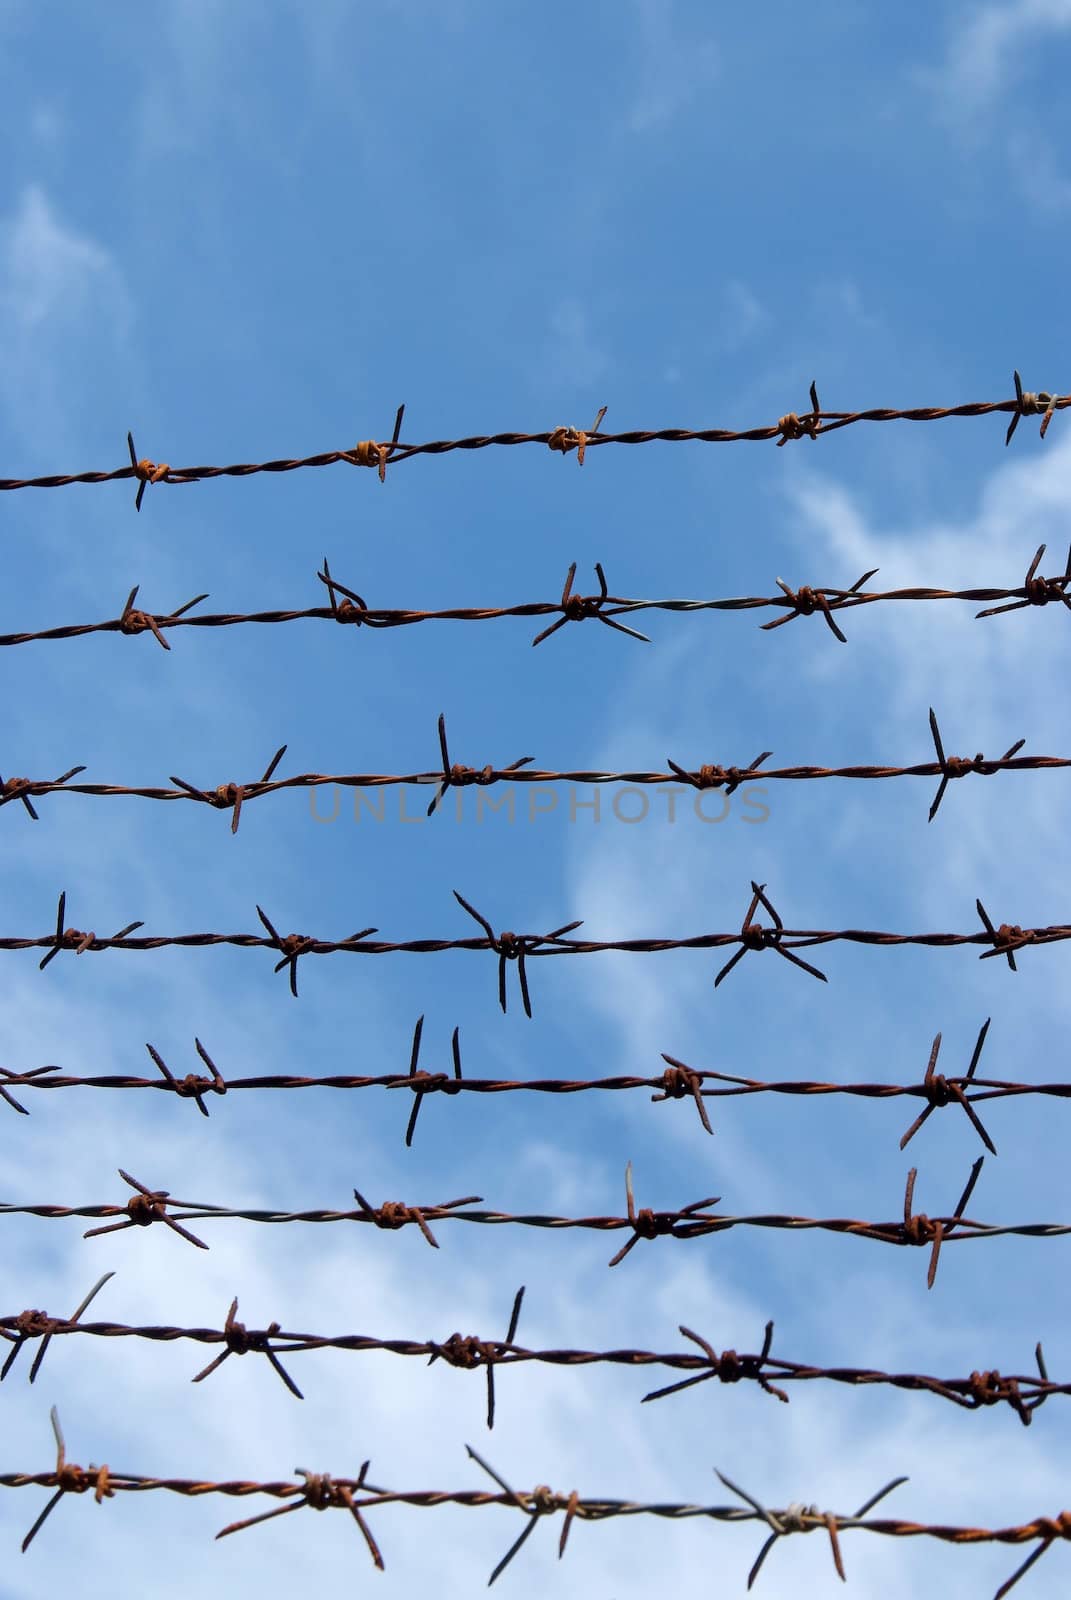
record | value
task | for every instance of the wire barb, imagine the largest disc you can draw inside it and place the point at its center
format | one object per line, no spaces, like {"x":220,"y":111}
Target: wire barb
{"x":132,"y":621}
{"x":145,"y":471}
{"x":69,"y":1479}
{"x":370,"y":454}
{"x":194,"y":1085}
{"x":39,"y":1325}
{"x":1027,"y":405}
{"x":958,"y":766}
{"x":566,"y":439}
{"x":941,"y":1091}
{"x":240,"y":1340}
{"x":753,"y":936}
{"x":353,"y":608}
{"x":578,"y":607}
{"x":74,"y":939}
{"x":647,"y":1224}
{"x":145,"y":1207}
{"x":515,"y":947}
{"x":231,"y":795}
{"x":456,"y":776}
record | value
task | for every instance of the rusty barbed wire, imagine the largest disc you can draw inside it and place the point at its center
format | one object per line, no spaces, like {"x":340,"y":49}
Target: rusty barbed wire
{"x":1004,"y":940}
{"x":695,"y":1220}
{"x":1023,"y":1394}
{"x":455,"y":775}
{"x":677,"y":1081}
{"x":562,"y":439}
{"x":321,"y":1491}
{"x":807,"y":600}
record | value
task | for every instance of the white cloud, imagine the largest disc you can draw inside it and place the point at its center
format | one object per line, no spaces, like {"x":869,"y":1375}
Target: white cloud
{"x":676,"y":65}
{"x":1047,"y":189}
{"x":50,"y":271}
{"x":986,"y":52}
{"x":48,"y":124}
{"x":573,"y":355}
{"x":743,"y":315}
{"x":61,"y":293}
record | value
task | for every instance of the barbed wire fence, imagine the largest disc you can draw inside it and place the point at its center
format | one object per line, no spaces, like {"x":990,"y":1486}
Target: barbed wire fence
{"x":981,"y":1388}
{"x":813,"y":424}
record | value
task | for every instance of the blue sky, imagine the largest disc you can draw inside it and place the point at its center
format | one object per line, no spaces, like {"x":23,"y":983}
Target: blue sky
{"x":247,"y":232}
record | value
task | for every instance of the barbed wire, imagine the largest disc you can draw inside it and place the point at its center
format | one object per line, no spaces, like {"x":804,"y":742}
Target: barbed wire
{"x":320,"y":1492}
{"x":693,"y":1221}
{"x":454,"y":775}
{"x":470,"y":1353}
{"x":147,"y":1206}
{"x":1004,"y":940}
{"x":807,"y":600}
{"x":563,"y":439}
{"x":677,"y":1081}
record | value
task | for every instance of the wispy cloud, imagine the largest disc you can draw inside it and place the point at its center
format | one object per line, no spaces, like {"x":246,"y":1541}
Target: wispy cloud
{"x":743,"y":315}
{"x":677,"y":63}
{"x":986,"y":52}
{"x":573,"y":353}
{"x":59,"y":289}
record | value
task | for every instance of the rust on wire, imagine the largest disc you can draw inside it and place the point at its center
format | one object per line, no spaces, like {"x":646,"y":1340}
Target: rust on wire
{"x":578,"y":608}
{"x":566,"y":439}
{"x":373,"y":453}
{"x":233,"y":796}
{"x":677,"y":1081}
{"x":456,"y":776}
{"x":74,"y":939}
{"x":807,"y":600}
{"x":1038,"y":591}
{"x":942,"y":1091}
{"x":39,"y":1325}
{"x":194,"y":1085}
{"x":320,"y":1492}
{"x":240,"y":1340}
{"x":1004,"y":940}
{"x":370,"y":454}
{"x":1031,"y":405}
{"x":692,"y":1221}
{"x":469,"y":1352}
{"x":145,"y":1207}
{"x":145,"y":471}
{"x":68,"y":1479}
{"x":421,"y":1082}
{"x":753,"y":936}
{"x":516,"y":947}
{"x":1023,"y":1394}
{"x":132,"y":621}
{"x":647,"y":1224}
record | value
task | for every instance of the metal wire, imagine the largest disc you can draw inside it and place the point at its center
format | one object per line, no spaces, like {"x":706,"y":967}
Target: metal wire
{"x":693,"y":1221}
{"x":807,"y":600}
{"x":357,"y":1496}
{"x":563,"y":439}
{"x":454,"y":775}
{"x":753,"y":937}
{"x":677,"y":1081}
{"x":1023,"y":1394}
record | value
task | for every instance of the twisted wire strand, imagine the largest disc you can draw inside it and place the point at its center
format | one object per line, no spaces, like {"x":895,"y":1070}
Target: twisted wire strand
{"x":696,"y":1220}
{"x":1023,"y":1394}
{"x":358,"y":1496}
{"x":753,"y":938}
{"x":563,"y":439}
{"x":807,"y":600}
{"x":677,"y":1081}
